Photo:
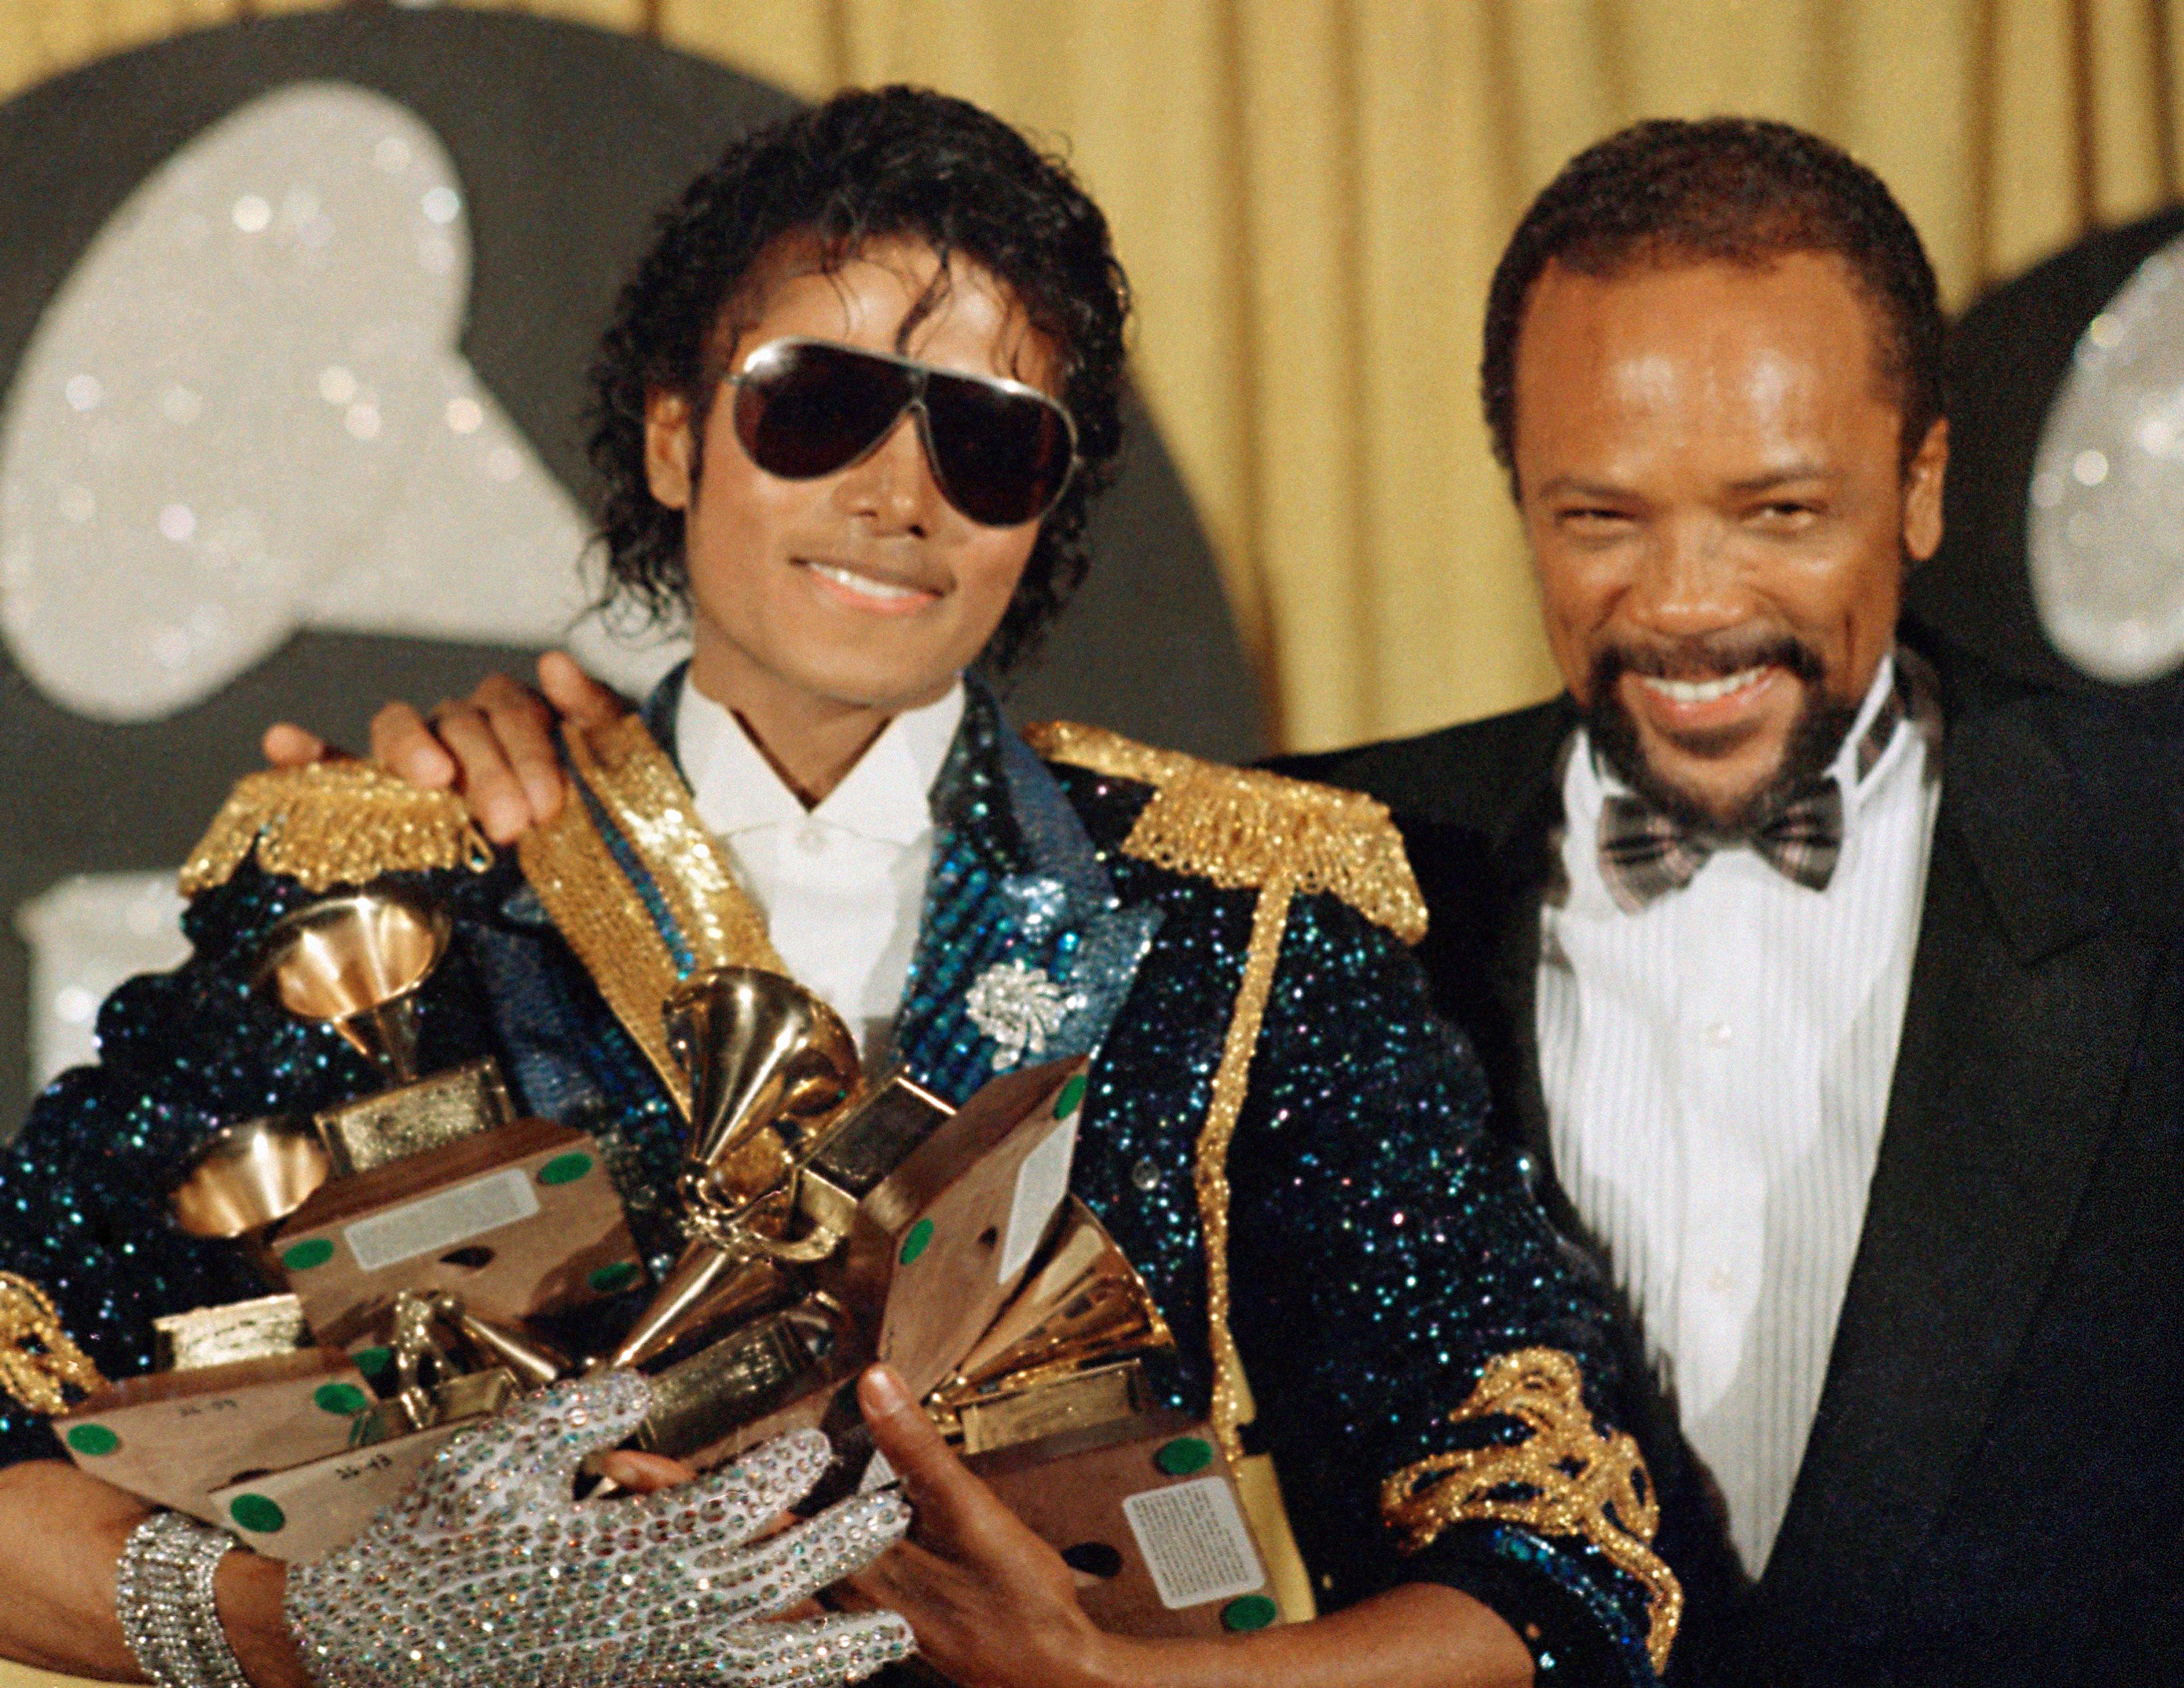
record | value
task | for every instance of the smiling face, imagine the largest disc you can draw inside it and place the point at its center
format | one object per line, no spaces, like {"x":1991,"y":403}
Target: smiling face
{"x":1712,"y":487}
{"x":862,"y":593}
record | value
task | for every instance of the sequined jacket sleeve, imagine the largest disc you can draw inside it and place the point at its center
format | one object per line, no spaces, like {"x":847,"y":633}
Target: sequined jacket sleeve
{"x":83,"y":1207}
{"x":1400,"y":1303}
{"x":1388,"y":1260}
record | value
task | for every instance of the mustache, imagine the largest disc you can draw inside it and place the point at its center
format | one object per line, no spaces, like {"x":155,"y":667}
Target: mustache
{"x":1708,"y":656}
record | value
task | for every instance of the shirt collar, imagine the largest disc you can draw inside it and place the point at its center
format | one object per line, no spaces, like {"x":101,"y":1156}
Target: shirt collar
{"x":885,"y":797}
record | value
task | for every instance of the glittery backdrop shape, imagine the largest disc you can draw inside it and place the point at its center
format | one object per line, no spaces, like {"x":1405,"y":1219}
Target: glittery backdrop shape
{"x":2105,"y":529}
{"x":246,"y":413}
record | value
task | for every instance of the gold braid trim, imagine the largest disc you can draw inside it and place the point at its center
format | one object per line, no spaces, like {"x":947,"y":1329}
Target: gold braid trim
{"x":1232,"y":1390}
{"x":1565,"y":1478}
{"x":1239,"y":826}
{"x":334,"y":823}
{"x":36,"y":1356}
{"x":598,"y":910}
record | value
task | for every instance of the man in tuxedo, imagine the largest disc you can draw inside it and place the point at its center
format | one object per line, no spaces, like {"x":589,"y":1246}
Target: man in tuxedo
{"x":1829,"y":992}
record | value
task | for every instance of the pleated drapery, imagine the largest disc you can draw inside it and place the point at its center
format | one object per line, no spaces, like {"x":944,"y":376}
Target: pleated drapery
{"x":1310,"y":196}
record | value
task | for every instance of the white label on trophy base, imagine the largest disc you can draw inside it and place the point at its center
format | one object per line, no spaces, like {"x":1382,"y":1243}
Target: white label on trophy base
{"x":1193,"y":1540}
{"x":441,"y":1221}
{"x":1042,"y":1181}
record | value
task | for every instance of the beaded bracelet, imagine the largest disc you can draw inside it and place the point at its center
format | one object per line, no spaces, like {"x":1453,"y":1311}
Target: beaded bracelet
{"x":163,"y":1593}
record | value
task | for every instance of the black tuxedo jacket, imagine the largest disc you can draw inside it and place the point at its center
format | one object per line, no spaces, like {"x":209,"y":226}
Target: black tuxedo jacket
{"x":1993,"y":1492}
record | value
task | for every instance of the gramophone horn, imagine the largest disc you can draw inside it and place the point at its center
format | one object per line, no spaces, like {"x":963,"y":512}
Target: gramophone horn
{"x":768,"y":1063}
{"x":248,"y":1176}
{"x":355,"y":963}
{"x":1084,"y":1304}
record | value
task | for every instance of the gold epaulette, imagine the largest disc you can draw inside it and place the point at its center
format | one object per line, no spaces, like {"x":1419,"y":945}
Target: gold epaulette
{"x":1566,"y":1477}
{"x":37,"y":1360}
{"x":334,"y":823}
{"x":1241,"y":827}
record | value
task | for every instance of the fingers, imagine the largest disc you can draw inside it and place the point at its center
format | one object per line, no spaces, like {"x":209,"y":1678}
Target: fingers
{"x":521,"y":724}
{"x":553,"y":1430}
{"x":829,"y":1650}
{"x":401,"y":740}
{"x":468,"y":742}
{"x":769,"y":1578}
{"x":952,"y":1505}
{"x":642,"y":1473}
{"x":733,"y":1506}
{"x":286,"y":745}
{"x":576,"y":695}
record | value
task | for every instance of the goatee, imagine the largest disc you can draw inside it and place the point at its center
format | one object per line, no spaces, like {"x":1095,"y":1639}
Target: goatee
{"x":1815,"y":737}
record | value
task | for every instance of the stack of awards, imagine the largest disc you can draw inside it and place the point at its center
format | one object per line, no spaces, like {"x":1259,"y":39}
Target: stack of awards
{"x":416,"y":1235}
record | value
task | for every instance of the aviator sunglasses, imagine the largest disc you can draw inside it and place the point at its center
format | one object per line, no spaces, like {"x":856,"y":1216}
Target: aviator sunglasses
{"x":1001,"y":452}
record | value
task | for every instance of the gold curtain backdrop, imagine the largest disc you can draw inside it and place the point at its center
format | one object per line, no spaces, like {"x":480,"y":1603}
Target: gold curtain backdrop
{"x":1310,"y":195}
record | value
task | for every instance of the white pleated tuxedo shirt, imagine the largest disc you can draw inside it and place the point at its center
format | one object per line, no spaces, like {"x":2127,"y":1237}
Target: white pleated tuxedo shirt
{"x":842,"y":885}
{"x":1717,"y":1070}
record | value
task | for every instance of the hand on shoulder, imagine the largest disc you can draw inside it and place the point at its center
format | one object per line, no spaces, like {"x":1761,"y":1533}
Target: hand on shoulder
{"x":495,"y":748}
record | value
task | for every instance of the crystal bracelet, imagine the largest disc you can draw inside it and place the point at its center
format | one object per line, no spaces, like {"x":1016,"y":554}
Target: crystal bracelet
{"x":163,"y":1593}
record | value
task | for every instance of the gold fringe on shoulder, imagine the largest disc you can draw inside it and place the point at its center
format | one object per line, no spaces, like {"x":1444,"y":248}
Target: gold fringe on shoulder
{"x":36,"y":1357}
{"x":334,"y":823}
{"x":1565,"y":1478}
{"x":1241,"y":826}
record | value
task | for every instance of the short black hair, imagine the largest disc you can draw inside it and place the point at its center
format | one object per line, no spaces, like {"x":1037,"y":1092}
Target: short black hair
{"x":866,"y":165}
{"x":1737,"y":190}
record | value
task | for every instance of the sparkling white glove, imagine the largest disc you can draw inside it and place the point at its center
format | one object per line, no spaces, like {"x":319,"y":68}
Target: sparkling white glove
{"x":486,"y":1572}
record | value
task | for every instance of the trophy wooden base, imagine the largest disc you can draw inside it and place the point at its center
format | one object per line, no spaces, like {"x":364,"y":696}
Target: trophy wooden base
{"x":311,"y":1509}
{"x":1145,"y":1512}
{"x":176,"y":1437}
{"x":518,"y":1220}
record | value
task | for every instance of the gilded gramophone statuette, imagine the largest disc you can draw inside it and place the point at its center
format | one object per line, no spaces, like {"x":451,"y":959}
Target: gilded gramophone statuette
{"x":433,"y":1184}
{"x":769,"y":1065}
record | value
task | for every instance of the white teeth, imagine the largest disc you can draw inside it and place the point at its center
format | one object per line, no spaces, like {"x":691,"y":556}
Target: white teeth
{"x":865,"y":583}
{"x":1702,"y":691}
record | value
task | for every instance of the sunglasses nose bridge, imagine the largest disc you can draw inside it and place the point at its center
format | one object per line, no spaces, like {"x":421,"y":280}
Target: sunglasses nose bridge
{"x":913,"y":408}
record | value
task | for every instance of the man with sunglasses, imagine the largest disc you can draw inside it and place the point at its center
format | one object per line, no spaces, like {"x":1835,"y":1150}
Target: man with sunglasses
{"x":851,"y":413}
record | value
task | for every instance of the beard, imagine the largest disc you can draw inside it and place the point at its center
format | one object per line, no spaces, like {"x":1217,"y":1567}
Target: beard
{"x":1815,"y":737}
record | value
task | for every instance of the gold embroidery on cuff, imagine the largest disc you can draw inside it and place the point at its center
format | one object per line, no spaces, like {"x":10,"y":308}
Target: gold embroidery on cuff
{"x":1566,"y":1477}
{"x":334,"y":823}
{"x":1241,"y":827}
{"x":600,"y":911}
{"x":36,"y":1357}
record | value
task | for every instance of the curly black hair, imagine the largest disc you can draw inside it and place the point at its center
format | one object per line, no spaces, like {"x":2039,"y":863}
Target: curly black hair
{"x":866,"y":165}
{"x":1737,"y":190}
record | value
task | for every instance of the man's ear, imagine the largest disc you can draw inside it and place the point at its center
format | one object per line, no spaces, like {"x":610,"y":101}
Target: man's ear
{"x":667,"y":446}
{"x":1922,"y":493}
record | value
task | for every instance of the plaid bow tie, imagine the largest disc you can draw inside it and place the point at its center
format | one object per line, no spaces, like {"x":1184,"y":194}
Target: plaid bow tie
{"x":1644,"y":855}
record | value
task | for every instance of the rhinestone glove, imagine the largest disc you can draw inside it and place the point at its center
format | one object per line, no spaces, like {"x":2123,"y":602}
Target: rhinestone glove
{"x":486,"y":1572}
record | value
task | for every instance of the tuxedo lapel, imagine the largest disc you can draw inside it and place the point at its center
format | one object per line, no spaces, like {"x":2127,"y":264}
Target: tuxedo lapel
{"x":2019,"y":1029}
{"x":1024,"y":953}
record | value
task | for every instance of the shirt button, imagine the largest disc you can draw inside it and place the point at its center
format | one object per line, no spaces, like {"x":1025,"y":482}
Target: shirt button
{"x":1146,"y":1174}
{"x":1721,"y":1032}
{"x":811,"y":839}
{"x":1720,"y":1282}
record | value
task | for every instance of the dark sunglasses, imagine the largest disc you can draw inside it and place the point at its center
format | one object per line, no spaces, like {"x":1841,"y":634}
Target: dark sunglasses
{"x":1001,"y":452}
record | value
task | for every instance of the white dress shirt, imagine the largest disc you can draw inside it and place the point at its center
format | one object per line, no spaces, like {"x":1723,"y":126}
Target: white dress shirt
{"x":1716,"y":1070}
{"x":842,"y":885}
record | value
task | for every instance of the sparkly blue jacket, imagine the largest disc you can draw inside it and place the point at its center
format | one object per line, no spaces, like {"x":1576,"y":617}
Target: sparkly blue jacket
{"x":1426,"y":1373}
